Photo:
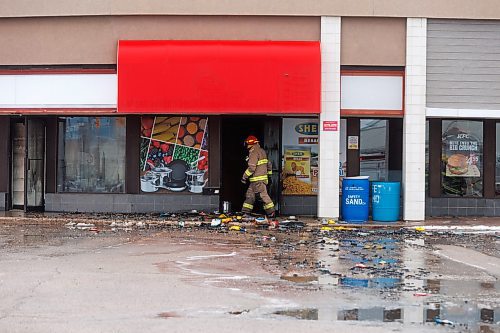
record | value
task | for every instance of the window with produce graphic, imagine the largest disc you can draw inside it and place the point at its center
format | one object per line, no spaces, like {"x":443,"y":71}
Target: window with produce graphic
{"x":462,"y":158}
{"x":300,"y":156}
{"x":174,"y":154}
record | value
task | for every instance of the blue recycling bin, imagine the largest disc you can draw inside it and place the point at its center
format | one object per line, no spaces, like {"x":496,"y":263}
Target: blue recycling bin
{"x":385,"y":201}
{"x":355,"y":199}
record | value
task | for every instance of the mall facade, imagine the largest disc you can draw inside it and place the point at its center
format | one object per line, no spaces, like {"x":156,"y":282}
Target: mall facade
{"x":119,"y":107}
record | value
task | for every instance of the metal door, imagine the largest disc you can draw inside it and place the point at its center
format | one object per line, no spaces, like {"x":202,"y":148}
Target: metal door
{"x":34,"y":171}
{"x":272,"y":135}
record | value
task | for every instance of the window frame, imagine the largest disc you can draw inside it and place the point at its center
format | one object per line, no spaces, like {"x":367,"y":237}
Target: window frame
{"x":489,"y":151}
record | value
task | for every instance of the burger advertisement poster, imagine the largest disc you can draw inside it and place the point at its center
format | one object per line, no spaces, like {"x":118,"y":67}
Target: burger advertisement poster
{"x":462,"y":153}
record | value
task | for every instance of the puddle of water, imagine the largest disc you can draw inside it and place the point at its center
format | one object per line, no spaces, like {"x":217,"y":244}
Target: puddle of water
{"x":468,"y":316}
{"x":378,"y":282}
{"x":402,"y":269}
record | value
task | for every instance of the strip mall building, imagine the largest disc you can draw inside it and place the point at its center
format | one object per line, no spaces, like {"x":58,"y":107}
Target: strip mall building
{"x":135,"y":107}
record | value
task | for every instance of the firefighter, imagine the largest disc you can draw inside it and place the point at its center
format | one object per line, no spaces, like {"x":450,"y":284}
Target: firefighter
{"x":259,"y":168}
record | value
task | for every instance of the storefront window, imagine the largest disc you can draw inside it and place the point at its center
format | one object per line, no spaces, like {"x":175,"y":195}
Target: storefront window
{"x":174,"y":154}
{"x":91,"y":154}
{"x":300,"y":156}
{"x":374,"y":157}
{"x":462,"y":158}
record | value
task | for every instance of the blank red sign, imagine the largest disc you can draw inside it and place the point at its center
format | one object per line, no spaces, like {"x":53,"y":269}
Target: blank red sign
{"x":219,"y":77}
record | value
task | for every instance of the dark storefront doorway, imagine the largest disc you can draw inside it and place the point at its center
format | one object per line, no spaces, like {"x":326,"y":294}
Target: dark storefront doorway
{"x":28,"y":164}
{"x":234,"y":131}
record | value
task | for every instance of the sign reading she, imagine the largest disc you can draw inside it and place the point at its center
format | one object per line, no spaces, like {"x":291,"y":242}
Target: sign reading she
{"x":307,"y":128}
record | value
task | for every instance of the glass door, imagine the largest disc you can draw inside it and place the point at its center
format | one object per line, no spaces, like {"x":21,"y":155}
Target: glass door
{"x":34,"y":172}
{"x":18,"y":148}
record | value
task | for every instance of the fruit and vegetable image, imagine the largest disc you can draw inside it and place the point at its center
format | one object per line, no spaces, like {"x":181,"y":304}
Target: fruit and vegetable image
{"x":203,"y":163}
{"x":167,"y":139}
{"x":166,"y":128}
{"x":186,"y":154}
{"x":159,"y":154}
{"x":147,"y":126}
{"x":191,"y":131}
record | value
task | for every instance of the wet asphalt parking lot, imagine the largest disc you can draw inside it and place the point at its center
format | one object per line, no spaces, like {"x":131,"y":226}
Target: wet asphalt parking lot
{"x":104,"y":277}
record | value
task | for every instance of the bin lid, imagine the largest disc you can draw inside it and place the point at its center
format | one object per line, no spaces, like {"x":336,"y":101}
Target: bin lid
{"x":357,"y":177}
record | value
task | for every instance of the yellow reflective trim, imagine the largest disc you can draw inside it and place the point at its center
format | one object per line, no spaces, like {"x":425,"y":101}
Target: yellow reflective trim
{"x":269,"y":205}
{"x":257,"y":178}
{"x":247,"y":172}
{"x":260,"y":162}
{"x":269,"y":172}
{"x":247,"y":205}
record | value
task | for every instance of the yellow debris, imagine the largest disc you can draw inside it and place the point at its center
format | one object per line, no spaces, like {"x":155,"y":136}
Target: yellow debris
{"x":420,"y":229}
{"x":235,"y":228}
{"x":330,"y":221}
{"x":227,"y":220}
{"x":342,"y":228}
{"x":324,"y":228}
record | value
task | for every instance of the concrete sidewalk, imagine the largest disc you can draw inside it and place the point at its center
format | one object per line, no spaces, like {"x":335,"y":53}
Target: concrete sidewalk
{"x":478,"y":224}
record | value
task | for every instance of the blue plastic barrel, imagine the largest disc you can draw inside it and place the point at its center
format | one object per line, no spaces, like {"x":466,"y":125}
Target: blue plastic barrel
{"x":385,"y":201}
{"x":355,"y":199}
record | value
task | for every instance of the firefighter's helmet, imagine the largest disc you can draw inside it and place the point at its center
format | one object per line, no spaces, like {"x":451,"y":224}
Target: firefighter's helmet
{"x":251,"y":140}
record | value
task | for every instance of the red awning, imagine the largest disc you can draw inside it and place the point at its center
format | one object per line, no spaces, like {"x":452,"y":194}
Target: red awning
{"x":219,"y":77}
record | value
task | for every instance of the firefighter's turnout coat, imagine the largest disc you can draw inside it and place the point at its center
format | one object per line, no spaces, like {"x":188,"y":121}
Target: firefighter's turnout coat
{"x":257,"y":172}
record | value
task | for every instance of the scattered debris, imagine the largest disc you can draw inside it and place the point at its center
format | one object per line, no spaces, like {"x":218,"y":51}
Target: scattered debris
{"x":421,"y":294}
{"x":443,"y":322}
{"x":239,"y":312}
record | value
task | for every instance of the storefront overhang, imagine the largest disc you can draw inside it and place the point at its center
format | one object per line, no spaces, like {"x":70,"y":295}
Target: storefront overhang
{"x":219,"y":77}
{"x":53,"y":92}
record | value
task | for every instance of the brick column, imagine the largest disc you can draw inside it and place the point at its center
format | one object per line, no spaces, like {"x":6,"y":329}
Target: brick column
{"x":329,"y":143}
{"x":414,"y":121}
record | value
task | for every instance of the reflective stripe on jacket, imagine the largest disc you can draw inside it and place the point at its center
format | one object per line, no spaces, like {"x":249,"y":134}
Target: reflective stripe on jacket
{"x":258,"y":165}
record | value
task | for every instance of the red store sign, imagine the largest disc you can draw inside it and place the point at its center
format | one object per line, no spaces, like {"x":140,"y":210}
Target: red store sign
{"x":330,"y":125}
{"x":219,"y":77}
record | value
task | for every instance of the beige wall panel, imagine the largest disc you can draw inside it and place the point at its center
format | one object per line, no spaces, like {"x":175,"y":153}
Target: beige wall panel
{"x":93,"y":40}
{"x":483,"y":9}
{"x":373,"y":41}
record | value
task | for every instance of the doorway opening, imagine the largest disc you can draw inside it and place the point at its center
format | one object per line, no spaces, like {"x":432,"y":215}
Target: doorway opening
{"x":28,"y":164}
{"x":234,"y":131}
